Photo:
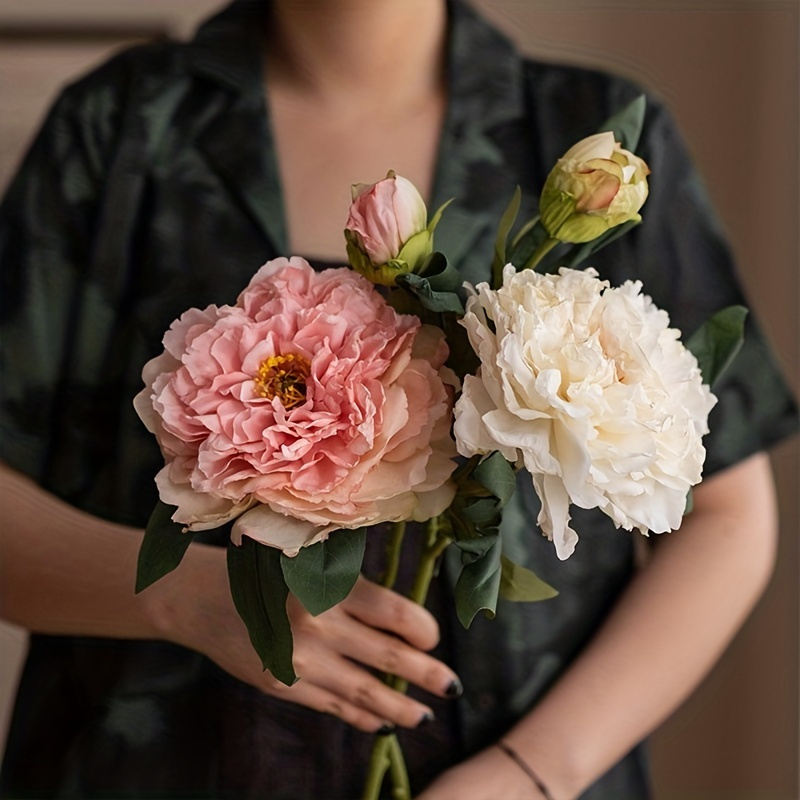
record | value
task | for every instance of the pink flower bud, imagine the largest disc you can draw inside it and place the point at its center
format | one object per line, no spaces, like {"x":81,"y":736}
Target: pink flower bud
{"x":384,"y":216}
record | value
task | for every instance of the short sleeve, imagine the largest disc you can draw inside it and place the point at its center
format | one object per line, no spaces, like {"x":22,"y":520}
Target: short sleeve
{"x":46,"y":222}
{"x":62,"y":303}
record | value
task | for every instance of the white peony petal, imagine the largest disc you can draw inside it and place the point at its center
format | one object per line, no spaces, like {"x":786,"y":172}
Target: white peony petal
{"x":532,"y":439}
{"x":471,"y":434}
{"x":657,"y":511}
{"x":575,"y":468}
{"x":554,"y":516}
{"x":599,"y":145}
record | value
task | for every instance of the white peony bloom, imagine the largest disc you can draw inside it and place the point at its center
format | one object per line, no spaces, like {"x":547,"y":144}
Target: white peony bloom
{"x":592,"y":392}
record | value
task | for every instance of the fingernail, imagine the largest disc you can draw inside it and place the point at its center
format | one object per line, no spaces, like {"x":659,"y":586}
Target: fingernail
{"x":454,"y":689}
{"x":384,"y":730}
{"x":427,"y":718}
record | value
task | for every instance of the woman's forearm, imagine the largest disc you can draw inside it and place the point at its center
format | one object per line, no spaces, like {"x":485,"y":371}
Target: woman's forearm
{"x":665,"y":634}
{"x":63,"y":571}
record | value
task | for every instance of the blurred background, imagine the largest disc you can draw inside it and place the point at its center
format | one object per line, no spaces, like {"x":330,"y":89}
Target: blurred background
{"x":729,"y":71}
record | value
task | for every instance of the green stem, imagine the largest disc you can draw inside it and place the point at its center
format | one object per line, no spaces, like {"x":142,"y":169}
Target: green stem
{"x":378,"y":764}
{"x":386,"y":752}
{"x":434,"y":547}
{"x":401,"y":786}
{"x":393,"y":550}
{"x":540,"y":252}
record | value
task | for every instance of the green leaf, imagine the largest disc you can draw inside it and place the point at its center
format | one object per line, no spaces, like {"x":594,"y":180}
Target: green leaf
{"x":162,"y":547}
{"x":504,"y":228}
{"x":462,"y":529}
{"x":438,"y":215}
{"x":414,"y":252}
{"x":433,"y":301}
{"x":259,"y":593}
{"x":481,"y":511}
{"x":519,"y":584}
{"x":476,"y":548}
{"x":689,"y":507}
{"x":483,"y":488}
{"x":441,"y":275}
{"x":717,"y":342}
{"x":627,"y":123}
{"x":322,"y":575}
{"x":462,"y":359}
{"x":478,"y":584}
{"x":497,"y":475}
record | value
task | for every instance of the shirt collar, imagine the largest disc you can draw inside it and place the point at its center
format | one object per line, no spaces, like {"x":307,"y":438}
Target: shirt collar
{"x":485,"y":96}
{"x":483,"y":68}
{"x":228,"y":47}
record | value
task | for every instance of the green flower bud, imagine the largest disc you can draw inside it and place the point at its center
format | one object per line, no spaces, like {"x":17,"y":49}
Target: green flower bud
{"x":595,"y":186}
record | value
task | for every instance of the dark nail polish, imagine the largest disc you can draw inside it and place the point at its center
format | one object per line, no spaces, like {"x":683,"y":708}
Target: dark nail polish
{"x":427,"y":718}
{"x":454,"y":689}
{"x":384,"y":730}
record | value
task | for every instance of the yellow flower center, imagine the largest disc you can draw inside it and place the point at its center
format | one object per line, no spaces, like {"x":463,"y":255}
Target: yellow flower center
{"x":283,"y":377}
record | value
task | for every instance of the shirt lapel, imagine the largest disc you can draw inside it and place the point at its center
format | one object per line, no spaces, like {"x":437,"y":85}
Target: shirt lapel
{"x":237,"y":139}
{"x":484,"y":144}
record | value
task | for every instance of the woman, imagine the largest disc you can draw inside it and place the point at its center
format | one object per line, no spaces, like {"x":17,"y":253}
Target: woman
{"x":162,"y":181}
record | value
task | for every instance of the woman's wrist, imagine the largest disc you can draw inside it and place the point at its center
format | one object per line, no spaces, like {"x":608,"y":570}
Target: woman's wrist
{"x":526,"y":768}
{"x":546,"y":755}
{"x":181,"y":603}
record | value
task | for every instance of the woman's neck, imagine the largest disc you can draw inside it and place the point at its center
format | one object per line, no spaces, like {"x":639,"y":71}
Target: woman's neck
{"x":356,"y":51}
{"x":354,"y":88}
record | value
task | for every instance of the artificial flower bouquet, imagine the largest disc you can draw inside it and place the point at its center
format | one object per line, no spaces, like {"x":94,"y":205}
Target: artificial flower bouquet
{"x":322,"y":404}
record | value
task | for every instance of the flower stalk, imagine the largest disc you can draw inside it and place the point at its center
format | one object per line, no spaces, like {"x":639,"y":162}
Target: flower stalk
{"x":539,"y":253}
{"x":393,"y":550}
{"x":387,"y":755}
{"x":434,"y":547}
{"x":401,"y":786}
{"x":379,"y":762}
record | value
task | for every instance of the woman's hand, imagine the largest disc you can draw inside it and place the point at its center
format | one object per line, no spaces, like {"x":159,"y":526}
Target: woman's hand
{"x":373,"y":627}
{"x":65,"y":572}
{"x":489,"y":775}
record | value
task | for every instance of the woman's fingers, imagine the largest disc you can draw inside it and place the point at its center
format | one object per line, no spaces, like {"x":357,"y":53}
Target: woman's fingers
{"x":367,"y":627}
{"x":382,"y":608}
{"x":393,"y":656}
{"x":318,"y":698}
{"x":331,"y":651}
{"x":354,"y":686}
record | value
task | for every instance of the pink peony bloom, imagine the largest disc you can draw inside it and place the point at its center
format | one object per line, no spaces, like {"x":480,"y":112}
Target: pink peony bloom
{"x":310,"y":405}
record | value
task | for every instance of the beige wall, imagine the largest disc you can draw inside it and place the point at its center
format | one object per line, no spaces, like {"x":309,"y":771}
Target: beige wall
{"x":728,"y":68}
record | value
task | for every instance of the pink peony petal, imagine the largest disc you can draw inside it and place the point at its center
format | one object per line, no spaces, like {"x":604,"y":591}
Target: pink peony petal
{"x":276,"y":530}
